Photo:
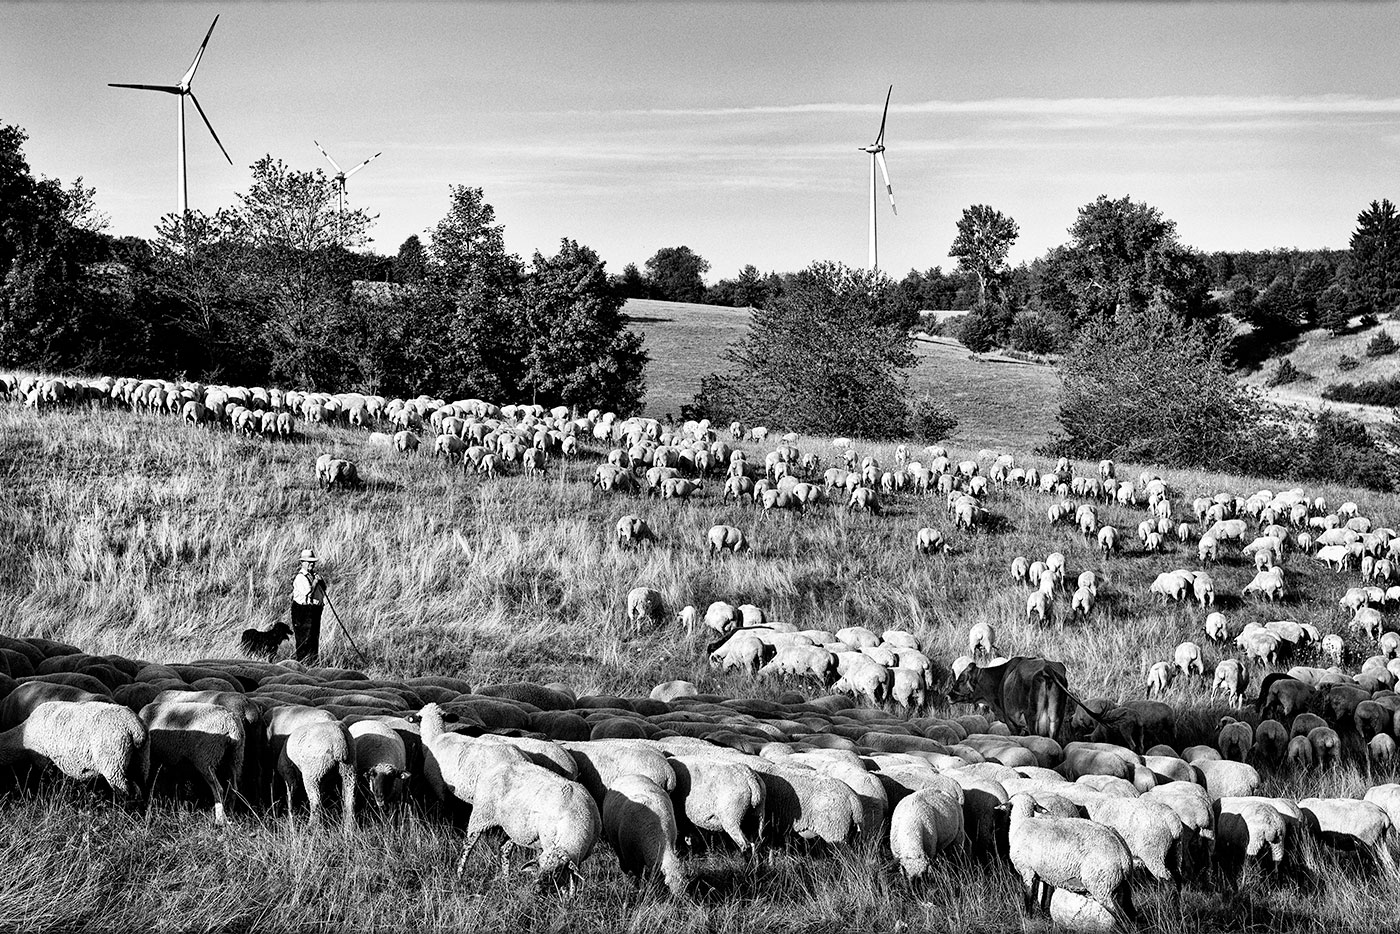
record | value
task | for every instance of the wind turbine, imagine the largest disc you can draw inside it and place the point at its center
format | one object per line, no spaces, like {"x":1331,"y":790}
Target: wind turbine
{"x":340,"y":176}
{"x":877,"y":154}
{"x":181,"y":91}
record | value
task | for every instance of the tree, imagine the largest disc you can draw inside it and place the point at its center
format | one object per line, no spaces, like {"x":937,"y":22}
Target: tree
{"x":1375,"y":259}
{"x":830,"y":355}
{"x":1150,"y":387}
{"x":580,"y":351}
{"x":294,"y":210}
{"x":630,"y":284}
{"x":411,"y":263}
{"x":984,"y":240}
{"x":677,"y":274}
{"x":1333,"y":309}
{"x":1122,"y":255}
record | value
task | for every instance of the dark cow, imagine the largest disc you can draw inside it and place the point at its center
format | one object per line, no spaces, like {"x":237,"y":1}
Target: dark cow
{"x":1030,"y":695}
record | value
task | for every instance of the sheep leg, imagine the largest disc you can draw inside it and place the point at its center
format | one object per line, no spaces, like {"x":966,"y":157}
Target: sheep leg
{"x":216,"y":788}
{"x":466,"y":851}
{"x":506,"y":849}
{"x":313,"y":798}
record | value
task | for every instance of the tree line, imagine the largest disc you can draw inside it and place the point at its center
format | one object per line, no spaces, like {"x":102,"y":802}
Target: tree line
{"x":274,"y":291}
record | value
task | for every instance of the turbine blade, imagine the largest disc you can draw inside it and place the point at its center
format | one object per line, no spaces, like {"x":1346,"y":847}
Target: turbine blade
{"x":363,"y":164}
{"x":149,"y":87}
{"x":881,"y":138}
{"x":189,"y":75}
{"x":328,"y":157}
{"x":884,"y":170}
{"x":210,"y":126}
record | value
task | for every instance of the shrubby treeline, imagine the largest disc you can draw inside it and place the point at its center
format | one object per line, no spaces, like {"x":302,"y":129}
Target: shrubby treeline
{"x":274,"y":290}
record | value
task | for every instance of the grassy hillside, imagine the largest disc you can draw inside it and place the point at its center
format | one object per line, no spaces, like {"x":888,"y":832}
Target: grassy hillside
{"x":134,"y":534}
{"x":998,"y":403}
{"x":1317,"y":355}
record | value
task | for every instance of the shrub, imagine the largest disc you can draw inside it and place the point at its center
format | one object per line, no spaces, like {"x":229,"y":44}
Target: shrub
{"x":1374,"y":392}
{"x":1382,"y":345}
{"x":1286,"y":373}
{"x":1031,"y":333}
{"x":929,"y":421}
{"x":1346,"y":363}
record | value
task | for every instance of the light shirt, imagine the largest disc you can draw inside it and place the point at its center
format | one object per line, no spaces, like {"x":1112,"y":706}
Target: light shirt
{"x":308,"y":587}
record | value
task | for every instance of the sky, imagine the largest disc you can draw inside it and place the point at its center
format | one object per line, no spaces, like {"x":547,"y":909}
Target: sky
{"x":733,"y":128}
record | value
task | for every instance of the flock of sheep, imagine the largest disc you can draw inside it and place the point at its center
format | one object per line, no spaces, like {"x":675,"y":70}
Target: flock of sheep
{"x":1079,"y":816}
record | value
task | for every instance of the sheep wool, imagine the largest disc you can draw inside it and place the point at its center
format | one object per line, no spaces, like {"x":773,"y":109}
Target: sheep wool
{"x":83,"y":740}
{"x":639,"y":821}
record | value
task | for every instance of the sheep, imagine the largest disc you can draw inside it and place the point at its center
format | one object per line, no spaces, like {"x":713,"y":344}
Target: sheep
{"x":1248,"y":829}
{"x":1150,"y":828}
{"x":1235,"y":740}
{"x":744,"y":651}
{"x":1159,"y":678}
{"x":722,"y":617}
{"x":1224,"y":779}
{"x":808,"y":805}
{"x":720,"y":795}
{"x":632,"y":530}
{"x":639,"y":822}
{"x":722,"y":538}
{"x":981,"y":639}
{"x":1038,"y":605}
{"x":1020,"y":569}
{"x":84,"y":740}
{"x":381,"y":760}
{"x":600,"y":763}
{"x":1217,"y":629}
{"x":930,"y":541}
{"x":1170,"y":586}
{"x":537,"y":809}
{"x":1346,"y":823}
{"x":1270,"y":743}
{"x":1082,"y":603}
{"x":645,"y":605}
{"x":313,"y":753}
{"x":1267,"y":584}
{"x":1207,"y":549}
{"x":1231,"y":679}
{"x":342,"y":474}
{"x":1070,"y":853}
{"x":208,"y":738}
{"x":1326,"y":746}
{"x":1188,"y":659}
{"x":924,"y":824}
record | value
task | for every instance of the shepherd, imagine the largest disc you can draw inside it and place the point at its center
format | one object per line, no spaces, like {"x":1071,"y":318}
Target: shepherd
{"x":308,"y":600}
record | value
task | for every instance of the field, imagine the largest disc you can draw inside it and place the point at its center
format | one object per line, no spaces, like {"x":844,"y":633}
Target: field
{"x":137,"y":535}
{"x":1316,"y":355}
{"x":998,"y":403}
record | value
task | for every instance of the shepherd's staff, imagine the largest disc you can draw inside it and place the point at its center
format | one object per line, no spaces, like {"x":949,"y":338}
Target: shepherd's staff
{"x":338,"y":622}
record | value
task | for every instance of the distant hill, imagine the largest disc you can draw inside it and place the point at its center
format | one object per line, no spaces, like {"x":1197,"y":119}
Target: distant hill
{"x":999,"y":402}
{"x":1317,"y":355}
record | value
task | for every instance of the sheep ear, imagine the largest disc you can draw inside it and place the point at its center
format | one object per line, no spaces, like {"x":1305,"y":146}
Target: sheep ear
{"x":405,"y":776}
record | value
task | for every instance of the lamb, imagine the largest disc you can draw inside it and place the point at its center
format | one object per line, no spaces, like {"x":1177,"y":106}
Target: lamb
{"x":722,"y":538}
{"x":632,"y":530}
{"x":640,"y":823}
{"x":923,"y":825}
{"x":314,"y":753}
{"x":381,"y":759}
{"x":208,"y":738}
{"x":537,"y":809}
{"x":83,"y":740}
{"x":1070,"y":853}
{"x":645,"y":605}
{"x":720,"y":795}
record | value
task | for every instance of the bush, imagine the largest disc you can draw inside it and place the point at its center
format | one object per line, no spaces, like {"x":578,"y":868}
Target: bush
{"x":1375,"y":392}
{"x":1382,"y":345}
{"x":1287,"y":373}
{"x":1346,"y":363}
{"x":929,"y":421}
{"x":1031,"y":333}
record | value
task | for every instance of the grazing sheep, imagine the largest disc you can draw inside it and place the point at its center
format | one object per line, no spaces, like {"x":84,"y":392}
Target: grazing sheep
{"x":930,"y":541}
{"x":1079,"y":855}
{"x":1188,"y":659}
{"x":924,"y":824}
{"x":1231,"y":679}
{"x":632,"y":530}
{"x":1247,"y":830}
{"x":981,"y":640}
{"x":1020,"y":569}
{"x":1159,"y":678}
{"x":722,"y":617}
{"x":314,"y":753}
{"x":639,"y":821}
{"x":1345,"y":823}
{"x":1270,"y":743}
{"x":1207,"y":549}
{"x":1082,"y":603}
{"x":1150,"y":828}
{"x":83,"y":740}
{"x":537,"y":809}
{"x":722,"y":538}
{"x":645,"y":605}
{"x":342,"y":474}
{"x":1326,"y":746}
{"x":1170,"y":586}
{"x":207,"y":738}
{"x":1235,"y":740}
{"x":1038,"y":605}
{"x":1217,"y":629}
{"x":1224,"y":779}
{"x":381,"y":759}
{"x":720,"y":795}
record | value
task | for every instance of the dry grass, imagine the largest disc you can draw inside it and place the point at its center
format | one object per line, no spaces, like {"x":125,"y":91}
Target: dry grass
{"x":1317,"y":354}
{"x":134,"y":534}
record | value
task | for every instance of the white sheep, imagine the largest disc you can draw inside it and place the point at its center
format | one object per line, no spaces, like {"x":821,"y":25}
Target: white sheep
{"x":1231,"y":679}
{"x":83,"y":740}
{"x":313,"y":753}
{"x":537,"y":809}
{"x":720,"y":795}
{"x":1082,"y":604}
{"x":639,"y":821}
{"x":1150,"y":828}
{"x":381,"y":760}
{"x":645,"y":605}
{"x":923,"y":825}
{"x":1188,"y":659}
{"x":1159,"y":678}
{"x":1038,"y":605}
{"x":207,"y":738}
{"x":1351,"y":824}
{"x":1070,"y":853}
{"x":981,"y":640}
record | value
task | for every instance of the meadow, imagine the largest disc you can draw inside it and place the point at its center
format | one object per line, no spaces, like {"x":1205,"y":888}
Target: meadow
{"x":998,"y":402}
{"x":135,"y":534}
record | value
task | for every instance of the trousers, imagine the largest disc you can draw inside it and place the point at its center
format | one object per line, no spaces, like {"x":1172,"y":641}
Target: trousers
{"x":306,"y":629}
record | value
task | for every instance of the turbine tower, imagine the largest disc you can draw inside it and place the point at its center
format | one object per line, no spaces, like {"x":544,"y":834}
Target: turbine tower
{"x":877,"y":154}
{"x":340,"y":176}
{"x":181,"y":91}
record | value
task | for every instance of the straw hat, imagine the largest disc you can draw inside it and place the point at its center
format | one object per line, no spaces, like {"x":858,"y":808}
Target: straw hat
{"x":308,"y":555}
